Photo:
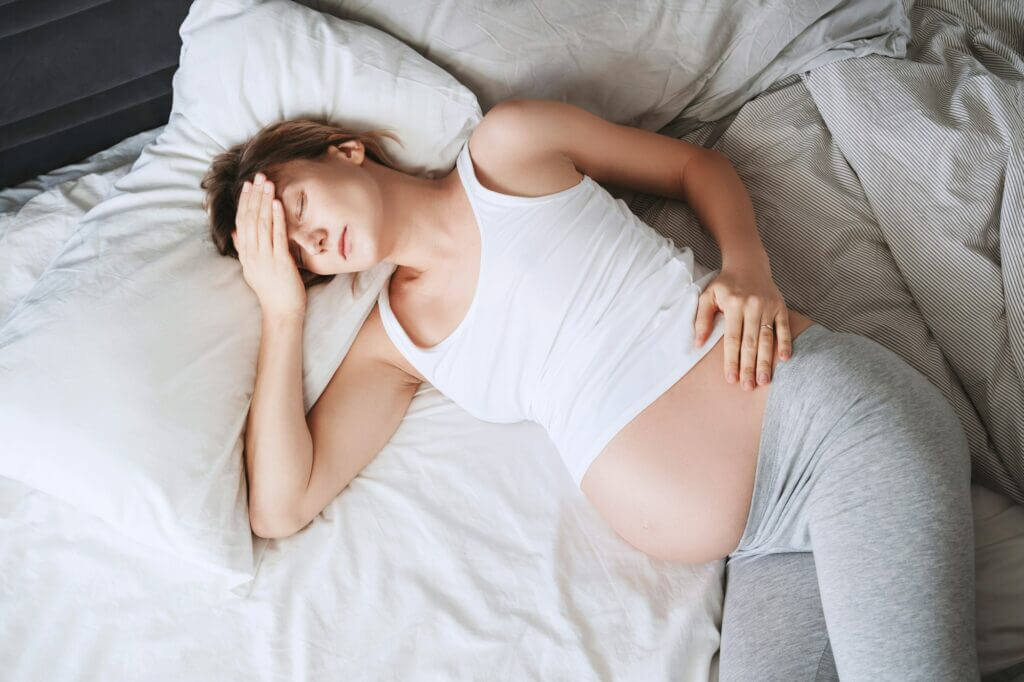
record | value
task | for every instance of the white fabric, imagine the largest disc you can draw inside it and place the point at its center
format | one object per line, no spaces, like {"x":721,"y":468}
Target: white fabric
{"x":128,"y":359}
{"x":581,"y":317}
{"x":640,"y":62}
{"x":247,"y":63}
{"x":462,"y":552}
{"x":119,"y":156}
{"x":36,"y":223}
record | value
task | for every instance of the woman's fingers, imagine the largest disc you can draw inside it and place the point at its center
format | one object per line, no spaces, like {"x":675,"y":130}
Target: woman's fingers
{"x":765,"y":348}
{"x":704,"y":318}
{"x":750,"y":350}
{"x":263,"y":218}
{"x":251,"y":210}
{"x":785,"y":340}
{"x":733,"y":331}
{"x":280,"y":241}
{"x":751,"y":319}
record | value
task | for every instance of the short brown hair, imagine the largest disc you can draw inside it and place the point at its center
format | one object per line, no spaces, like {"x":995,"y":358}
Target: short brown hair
{"x":267,"y":152}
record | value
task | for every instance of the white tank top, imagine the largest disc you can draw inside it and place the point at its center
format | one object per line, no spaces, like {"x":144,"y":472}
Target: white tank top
{"x":582,"y":316}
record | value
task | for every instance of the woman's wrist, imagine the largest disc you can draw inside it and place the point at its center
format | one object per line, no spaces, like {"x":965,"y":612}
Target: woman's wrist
{"x":746,"y":258}
{"x":284,"y":317}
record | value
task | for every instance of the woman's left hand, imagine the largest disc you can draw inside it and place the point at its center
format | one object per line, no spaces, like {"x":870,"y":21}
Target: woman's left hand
{"x":748,"y":297}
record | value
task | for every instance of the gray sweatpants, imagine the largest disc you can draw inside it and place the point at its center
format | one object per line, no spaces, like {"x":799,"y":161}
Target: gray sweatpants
{"x":857,"y":561}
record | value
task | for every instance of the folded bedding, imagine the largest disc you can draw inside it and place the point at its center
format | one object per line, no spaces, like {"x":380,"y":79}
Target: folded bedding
{"x":38,"y":216}
{"x":120,"y":156}
{"x":937,"y":142}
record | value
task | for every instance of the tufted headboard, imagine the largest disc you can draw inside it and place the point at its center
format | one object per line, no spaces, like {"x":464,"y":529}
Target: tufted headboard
{"x":78,"y":76}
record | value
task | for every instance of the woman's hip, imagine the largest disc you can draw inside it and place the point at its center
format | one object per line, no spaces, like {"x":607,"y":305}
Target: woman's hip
{"x":846,"y":410}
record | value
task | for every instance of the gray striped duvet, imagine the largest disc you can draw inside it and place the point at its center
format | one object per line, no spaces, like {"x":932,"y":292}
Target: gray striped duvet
{"x":889,"y":195}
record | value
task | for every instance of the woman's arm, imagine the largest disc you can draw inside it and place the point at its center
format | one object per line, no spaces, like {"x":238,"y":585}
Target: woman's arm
{"x":278,"y":443}
{"x":720,"y":201}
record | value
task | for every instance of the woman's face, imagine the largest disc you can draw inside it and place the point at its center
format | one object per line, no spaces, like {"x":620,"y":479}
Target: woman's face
{"x":323,"y":197}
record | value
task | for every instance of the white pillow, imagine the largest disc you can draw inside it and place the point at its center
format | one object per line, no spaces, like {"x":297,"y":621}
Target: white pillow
{"x":246,"y":63}
{"x":126,"y":372}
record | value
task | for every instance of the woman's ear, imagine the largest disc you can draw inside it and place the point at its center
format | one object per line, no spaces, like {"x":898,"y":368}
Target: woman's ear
{"x":353,"y":150}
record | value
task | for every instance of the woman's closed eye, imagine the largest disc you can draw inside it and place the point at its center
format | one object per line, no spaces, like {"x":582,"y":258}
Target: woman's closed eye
{"x":297,"y":250}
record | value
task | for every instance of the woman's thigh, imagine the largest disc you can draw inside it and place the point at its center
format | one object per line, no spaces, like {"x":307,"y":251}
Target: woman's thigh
{"x":864,"y":463}
{"x":773,"y":627}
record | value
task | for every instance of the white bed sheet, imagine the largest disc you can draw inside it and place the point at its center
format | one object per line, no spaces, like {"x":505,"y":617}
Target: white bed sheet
{"x":461,"y":552}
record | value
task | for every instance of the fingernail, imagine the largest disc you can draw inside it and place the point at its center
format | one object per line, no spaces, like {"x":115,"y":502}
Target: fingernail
{"x":266,"y":189}
{"x":762,"y":378}
{"x":259,"y":178}
{"x":245,"y":186}
{"x":748,"y":384}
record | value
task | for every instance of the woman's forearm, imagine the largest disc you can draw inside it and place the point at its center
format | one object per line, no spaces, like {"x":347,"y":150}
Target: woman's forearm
{"x":278,"y":444}
{"x":721,"y":203}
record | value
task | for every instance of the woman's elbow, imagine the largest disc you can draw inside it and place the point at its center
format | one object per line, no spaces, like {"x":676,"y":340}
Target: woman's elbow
{"x":270,"y":528}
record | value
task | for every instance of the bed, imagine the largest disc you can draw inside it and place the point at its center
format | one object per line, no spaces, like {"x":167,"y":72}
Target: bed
{"x":882,"y":149}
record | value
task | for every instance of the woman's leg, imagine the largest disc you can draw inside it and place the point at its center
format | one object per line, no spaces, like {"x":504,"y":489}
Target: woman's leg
{"x":773,"y":629}
{"x":891,"y":527}
{"x":864,"y":462}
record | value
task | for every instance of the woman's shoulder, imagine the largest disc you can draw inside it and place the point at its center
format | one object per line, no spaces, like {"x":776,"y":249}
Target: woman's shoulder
{"x":505,"y":162}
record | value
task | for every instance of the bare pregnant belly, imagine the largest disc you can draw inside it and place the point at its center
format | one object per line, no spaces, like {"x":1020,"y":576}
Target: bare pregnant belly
{"x":677,"y":481}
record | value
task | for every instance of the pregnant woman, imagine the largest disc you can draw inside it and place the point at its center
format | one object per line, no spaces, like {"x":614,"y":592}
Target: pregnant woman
{"x":699,"y":416}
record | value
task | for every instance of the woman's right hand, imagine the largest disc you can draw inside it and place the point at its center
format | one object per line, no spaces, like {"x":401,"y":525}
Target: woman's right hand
{"x":262,"y":244}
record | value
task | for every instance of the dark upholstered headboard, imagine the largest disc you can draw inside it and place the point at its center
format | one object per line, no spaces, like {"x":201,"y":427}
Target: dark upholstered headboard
{"x":78,"y":76}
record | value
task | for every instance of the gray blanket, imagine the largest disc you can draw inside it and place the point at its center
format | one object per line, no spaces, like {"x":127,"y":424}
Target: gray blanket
{"x":889,"y":194}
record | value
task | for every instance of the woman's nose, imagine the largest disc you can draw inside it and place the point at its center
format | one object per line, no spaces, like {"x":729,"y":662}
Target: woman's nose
{"x":317,"y":244}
